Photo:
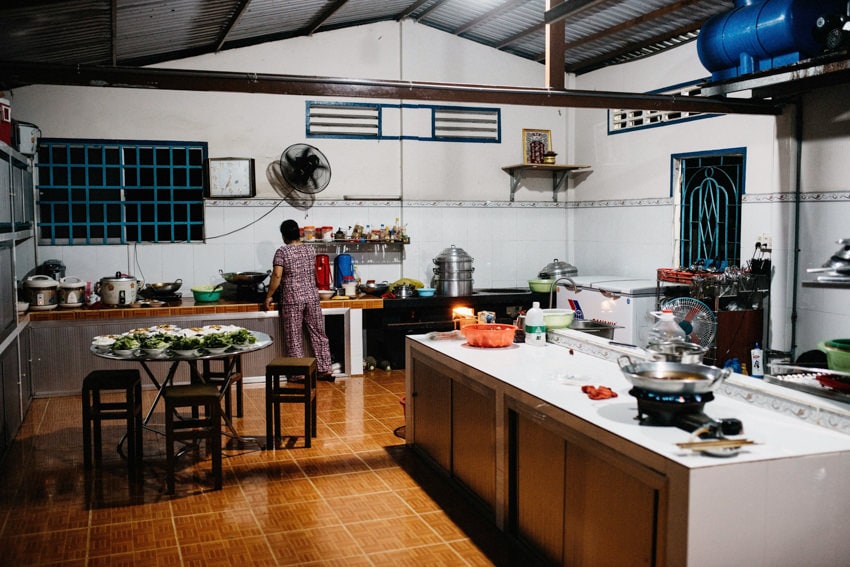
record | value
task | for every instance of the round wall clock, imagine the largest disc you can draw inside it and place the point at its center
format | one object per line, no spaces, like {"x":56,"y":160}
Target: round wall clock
{"x":230,"y":178}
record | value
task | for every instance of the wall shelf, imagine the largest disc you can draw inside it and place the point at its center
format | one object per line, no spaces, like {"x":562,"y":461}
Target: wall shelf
{"x":559,"y":174}
{"x":367,"y":251}
{"x":833,"y":285}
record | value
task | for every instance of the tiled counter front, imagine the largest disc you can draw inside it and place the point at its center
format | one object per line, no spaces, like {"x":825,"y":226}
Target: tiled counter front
{"x":61,"y":339}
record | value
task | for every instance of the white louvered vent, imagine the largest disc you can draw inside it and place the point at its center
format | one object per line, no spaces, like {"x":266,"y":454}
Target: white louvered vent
{"x":343,"y":120}
{"x":622,"y":120}
{"x":467,"y":124}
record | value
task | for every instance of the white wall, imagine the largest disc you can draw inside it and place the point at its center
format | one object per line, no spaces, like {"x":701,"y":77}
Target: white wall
{"x":624,"y":207}
{"x":454,"y":193}
{"x":618,"y":219}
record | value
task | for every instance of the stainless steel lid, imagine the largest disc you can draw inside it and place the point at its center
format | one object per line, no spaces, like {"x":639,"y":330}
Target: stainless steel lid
{"x":556,"y":268}
{"x":452,"y":254}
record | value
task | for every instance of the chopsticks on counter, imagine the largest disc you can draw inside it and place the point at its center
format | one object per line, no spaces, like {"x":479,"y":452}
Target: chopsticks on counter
{"x":715,"y":444}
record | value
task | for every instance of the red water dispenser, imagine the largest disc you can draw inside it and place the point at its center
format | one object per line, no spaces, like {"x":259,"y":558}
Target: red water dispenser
{"x":323,"y":271}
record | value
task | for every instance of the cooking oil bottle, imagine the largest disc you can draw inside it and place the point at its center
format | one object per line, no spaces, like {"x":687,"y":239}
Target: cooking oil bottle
{"x":535,"y":326}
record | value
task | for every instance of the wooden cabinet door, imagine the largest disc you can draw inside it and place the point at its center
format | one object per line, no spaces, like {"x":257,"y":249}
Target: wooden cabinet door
{"x":611,"y":515}
{"x":432,"y":418}
{"x":474,"y":440}
{"x":537,"y":487}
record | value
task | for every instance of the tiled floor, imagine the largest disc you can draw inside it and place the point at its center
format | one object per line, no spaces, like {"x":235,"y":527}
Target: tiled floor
{"x":356,"y":497}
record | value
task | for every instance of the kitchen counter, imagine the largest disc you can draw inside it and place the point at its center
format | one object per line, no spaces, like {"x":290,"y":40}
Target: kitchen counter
{"x":546,"y":459}
{"x":187,"y":307}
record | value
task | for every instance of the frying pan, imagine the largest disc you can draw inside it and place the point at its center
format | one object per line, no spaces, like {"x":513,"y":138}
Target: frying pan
{"x":244,"y":278}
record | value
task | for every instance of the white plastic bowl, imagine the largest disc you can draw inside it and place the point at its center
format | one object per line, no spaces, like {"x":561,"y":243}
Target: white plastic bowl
{"x":558,"y":318}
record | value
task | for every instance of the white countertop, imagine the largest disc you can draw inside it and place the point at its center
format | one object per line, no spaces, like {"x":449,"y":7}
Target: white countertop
{"x":555,"y":374}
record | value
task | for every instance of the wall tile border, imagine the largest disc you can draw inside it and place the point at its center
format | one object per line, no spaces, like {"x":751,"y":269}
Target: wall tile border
{"x":820,"y":197}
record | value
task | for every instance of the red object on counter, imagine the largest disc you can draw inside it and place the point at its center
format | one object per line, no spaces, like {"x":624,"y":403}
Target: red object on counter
{"x":5,"y":121}
{"x":599,"y":392}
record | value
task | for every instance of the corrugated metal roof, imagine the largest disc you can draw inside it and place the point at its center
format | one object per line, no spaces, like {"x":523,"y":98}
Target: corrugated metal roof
{"x":141,"y":32}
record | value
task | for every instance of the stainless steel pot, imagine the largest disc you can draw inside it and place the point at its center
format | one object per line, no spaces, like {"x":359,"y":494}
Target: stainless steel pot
{"x":677,"y":351}
{"x":556,"y":269}
{"x":672,"y":377}
{"x":119,"y":290}
{"x":453,"y":274}
{"x":453,"y":288}
{"x":452,"y":259}
{"x":404,"y":291}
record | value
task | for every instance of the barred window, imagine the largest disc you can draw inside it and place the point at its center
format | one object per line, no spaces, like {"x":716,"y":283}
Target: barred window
{"x":120,"y":191}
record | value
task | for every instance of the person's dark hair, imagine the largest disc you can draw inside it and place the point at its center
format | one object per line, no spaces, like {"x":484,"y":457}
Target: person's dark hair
{"x":290,"y":231}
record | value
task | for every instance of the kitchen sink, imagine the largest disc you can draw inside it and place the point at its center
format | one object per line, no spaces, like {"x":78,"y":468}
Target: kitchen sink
{"x":501,"y":291}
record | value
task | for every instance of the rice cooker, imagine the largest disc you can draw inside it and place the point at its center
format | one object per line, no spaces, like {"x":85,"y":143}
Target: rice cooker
{"x":40,"y":292}
{"x":72,"y":291}
{"x":119,"y":290}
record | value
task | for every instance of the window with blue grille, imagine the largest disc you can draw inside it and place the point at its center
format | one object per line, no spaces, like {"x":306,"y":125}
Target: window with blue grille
{"x":710,"y":189}
{"x":120,"y":191}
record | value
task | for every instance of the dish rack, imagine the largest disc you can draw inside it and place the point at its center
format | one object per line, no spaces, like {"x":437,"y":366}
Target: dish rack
{"x":832,"y":384}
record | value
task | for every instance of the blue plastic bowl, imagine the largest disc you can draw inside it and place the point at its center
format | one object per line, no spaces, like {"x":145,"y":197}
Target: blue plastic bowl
{"x":425,"y":291}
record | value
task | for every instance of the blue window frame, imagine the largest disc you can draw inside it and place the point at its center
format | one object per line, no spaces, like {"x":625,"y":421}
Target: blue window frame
{"x":120,"y":191}
{"x":711,"y":187}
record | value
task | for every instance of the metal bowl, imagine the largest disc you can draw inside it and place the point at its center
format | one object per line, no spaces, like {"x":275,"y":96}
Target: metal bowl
{"x":244,"y":278}
{"x":677,"y":351}
{"x":405,"y":290}
{"x":672,"y":377}
{"x":373,"y":288}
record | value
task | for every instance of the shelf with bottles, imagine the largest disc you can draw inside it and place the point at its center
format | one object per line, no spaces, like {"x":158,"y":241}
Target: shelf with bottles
{"x":365,"y":252}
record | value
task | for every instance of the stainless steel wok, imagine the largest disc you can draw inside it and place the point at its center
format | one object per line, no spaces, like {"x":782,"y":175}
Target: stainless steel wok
{"x":244,"y":278}
{"x":672,"y":377}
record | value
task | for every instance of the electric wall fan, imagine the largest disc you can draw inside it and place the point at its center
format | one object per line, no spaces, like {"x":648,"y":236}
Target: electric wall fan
{"x":696,"y":319}
{"x":305,"y":168}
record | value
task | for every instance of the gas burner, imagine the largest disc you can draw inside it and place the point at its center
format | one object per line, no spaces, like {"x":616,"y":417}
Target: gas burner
{"x":683,"y":411}
{"x":663,"y":409}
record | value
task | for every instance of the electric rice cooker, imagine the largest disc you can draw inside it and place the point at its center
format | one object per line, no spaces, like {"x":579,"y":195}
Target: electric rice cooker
{"x":119,"y":290}
{"x":40,"y":292}
{"x":72,"y":291}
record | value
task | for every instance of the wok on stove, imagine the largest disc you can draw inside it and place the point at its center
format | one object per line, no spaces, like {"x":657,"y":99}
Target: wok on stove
{"x":672,"y":377}
{"x":244,"y":278}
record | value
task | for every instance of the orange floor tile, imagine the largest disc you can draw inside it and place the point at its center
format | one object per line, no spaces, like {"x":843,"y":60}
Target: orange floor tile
{"x":358,"y":496}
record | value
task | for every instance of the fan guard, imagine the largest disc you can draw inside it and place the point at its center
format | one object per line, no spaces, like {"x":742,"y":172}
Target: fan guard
{"x":696,"y":319}
{"x":305,"y":168}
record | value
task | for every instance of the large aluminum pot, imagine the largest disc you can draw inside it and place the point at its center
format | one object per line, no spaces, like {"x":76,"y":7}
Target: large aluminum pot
{"x":119,"y":290}
{"x":453,"y":259}
{"x":557,"y":269}
{"x":453,"y":288}
{"x":672,"y":377}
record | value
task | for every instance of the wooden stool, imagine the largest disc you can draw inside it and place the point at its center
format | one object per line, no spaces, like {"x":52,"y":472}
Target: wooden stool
{"x":278,"y":392}
{"x":95,"y":411}
{"x":230,"y":366}
{"x":206,"y":427}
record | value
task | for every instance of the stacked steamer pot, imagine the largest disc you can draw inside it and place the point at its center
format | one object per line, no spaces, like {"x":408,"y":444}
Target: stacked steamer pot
{"x":453,"y":274}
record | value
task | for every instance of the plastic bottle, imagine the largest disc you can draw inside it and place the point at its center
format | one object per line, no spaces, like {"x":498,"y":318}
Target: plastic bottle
{"x":535,"y":326}
{"x":757,"y":362}
{"x":666,"y":329}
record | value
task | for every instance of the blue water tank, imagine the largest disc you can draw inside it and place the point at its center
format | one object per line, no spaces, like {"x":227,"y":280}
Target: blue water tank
{"x":759,"y":35}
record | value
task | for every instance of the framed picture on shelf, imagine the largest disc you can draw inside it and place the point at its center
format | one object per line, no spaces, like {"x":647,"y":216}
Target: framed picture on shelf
{"x":535,"y":143}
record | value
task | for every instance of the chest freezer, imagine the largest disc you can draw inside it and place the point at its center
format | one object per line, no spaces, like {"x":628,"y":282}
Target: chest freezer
{"x":619,"y":300}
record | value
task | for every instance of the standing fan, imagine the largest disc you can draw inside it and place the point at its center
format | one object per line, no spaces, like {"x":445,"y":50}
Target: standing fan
{"x":305,"y":168}
{"x":696,"y":319}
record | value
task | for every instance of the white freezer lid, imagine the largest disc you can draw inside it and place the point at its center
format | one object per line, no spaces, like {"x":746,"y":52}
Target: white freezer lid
{"x":633,"y":288}
{"x":592,"y":280}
